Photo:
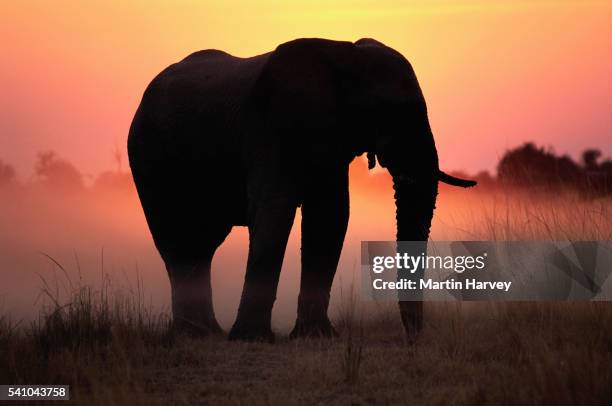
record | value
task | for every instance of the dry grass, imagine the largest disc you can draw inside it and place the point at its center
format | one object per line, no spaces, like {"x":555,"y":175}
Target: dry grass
{"x":522,"y":215}
{"x":112,"y":349}
{"x":469,"y":354}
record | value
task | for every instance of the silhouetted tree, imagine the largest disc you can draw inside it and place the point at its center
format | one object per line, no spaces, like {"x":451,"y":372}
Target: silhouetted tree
{"x":118,"y":158}
{"x":598,"y":177}
{"x":589,"y":159}
{"x":58,"y":173}
{"x":114,"y":181}
{"x":606,"y":167}
{"x":485,"y":180}
{"x":529,"y":165}
{"x":7,"y":174}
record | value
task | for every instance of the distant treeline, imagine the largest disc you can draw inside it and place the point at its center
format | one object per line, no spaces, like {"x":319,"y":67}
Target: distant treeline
{"x":58,"y":174}
{"x":527,"y":166}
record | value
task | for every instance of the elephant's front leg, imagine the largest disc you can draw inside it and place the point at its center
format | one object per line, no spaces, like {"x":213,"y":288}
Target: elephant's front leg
{"x":271,"y":213}
{"x":325,"y":213}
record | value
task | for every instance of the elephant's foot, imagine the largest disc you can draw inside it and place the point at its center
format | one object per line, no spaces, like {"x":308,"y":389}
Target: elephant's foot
{"x":194,"y":318}
{"x":251,"y":332}
{"x":192,"y":308}
{"x":312,"y":320}
{"x":253,"y":322}
{"x":191,"y":328}
{"x":412,"y":318}
{"x":254,"y":318}
{"x":309,"y":328}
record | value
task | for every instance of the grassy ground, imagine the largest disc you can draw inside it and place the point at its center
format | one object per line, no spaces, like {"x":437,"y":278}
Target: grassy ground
{"x":110,"y":350}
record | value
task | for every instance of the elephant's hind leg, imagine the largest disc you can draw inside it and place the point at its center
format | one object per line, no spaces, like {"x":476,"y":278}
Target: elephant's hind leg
{"x":192,"y":304}
{"x":187,"y":229}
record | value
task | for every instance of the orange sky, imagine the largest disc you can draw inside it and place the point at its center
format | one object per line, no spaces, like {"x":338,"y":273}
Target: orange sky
{"x":494,"y":73}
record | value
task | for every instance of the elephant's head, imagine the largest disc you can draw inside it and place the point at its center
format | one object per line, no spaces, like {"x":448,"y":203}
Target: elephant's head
{"x":369,"y":95}
{"x":389,"y":100}
{"x":391,"y":108}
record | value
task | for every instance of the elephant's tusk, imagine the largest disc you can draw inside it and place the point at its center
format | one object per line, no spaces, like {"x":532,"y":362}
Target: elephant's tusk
{"x":451,"y":180}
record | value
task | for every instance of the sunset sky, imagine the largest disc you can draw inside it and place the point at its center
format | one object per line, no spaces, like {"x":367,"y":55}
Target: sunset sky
{"x":494,"y":73}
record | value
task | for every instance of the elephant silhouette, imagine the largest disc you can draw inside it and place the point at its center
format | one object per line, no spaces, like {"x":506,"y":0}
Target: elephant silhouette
{"x":220,"y":141}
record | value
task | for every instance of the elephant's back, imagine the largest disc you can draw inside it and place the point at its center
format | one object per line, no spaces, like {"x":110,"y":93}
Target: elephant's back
{"x":212,"y":77}
{"x":192,"y":110}
{"x":185,"y":142}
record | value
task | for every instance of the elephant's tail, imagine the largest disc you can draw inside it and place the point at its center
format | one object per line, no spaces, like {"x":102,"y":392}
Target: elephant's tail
{"x":451,"y":180}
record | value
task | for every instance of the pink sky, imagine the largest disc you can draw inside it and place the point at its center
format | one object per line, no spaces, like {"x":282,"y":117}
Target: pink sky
{"x":494,"y":73}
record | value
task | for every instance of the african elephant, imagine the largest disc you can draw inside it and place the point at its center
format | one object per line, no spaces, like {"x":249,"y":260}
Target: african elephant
{"x":220,"y":141}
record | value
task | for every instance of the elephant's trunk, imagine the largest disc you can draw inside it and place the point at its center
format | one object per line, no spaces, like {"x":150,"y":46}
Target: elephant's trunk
{"x":415,"y":203}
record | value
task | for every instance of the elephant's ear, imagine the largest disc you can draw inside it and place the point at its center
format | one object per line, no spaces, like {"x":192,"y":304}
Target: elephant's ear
{"x":387,"y":77}
{"x":303,"y":82}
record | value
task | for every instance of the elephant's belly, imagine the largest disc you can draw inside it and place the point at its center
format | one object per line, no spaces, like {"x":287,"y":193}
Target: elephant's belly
{"x":232,"y":200}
